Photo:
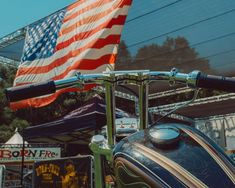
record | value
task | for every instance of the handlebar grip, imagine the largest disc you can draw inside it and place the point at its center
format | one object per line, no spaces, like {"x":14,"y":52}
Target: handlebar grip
{"x":18,"y":93}
{"x":216,"y":82}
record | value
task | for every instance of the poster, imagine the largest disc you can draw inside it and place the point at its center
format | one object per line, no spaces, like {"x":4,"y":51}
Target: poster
{"x":15,"y":154}
{"x":64,"y":173}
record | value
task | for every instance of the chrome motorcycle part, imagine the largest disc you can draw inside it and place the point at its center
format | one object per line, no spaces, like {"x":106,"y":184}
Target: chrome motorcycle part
{"x":164,"y":137}
{"x":195,"y":162}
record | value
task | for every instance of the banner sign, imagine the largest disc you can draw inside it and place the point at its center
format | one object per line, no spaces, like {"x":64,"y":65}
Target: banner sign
{"x":64,"y":173}
{"x":30,"y":154}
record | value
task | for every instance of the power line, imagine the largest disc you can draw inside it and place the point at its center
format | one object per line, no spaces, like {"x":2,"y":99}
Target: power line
{"x":209,"y":56}
{"x":193,"y":45}
{"x":218,"y":53}
{"x":213,"y":55}
{"x":225,"y":64}
{"x":155,"y":10}
{"x":181,"y":28}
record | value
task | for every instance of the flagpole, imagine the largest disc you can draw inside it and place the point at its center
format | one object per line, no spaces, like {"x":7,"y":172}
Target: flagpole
{"x":22,"y":164}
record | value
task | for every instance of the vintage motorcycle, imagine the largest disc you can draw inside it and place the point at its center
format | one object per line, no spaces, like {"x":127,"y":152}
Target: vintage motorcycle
{"x":161,"y":155}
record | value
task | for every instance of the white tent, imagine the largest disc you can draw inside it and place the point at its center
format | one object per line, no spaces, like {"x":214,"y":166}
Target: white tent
{"x":15,"y":140}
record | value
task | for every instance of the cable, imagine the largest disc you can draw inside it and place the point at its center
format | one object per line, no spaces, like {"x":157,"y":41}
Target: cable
{"x":155,"y":10}
{"x":224,"y":64}
{"x":209,"y":56}
{"x":206,"y":57}
{"x":190,"y":46}
{"x":181,"y":28}
{"x":220,"y":53}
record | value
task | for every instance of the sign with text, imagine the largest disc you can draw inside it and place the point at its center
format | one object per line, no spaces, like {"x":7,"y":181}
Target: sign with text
{"x":73,"y":172}
{"x":15,"y":154}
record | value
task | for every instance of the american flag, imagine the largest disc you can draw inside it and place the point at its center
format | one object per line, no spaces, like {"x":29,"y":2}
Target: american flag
{"x":82,"y":37}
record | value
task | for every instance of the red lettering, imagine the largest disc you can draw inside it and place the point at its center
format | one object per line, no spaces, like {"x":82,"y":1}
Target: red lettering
{"x":5,"y":154}
{"x":24,"y":153}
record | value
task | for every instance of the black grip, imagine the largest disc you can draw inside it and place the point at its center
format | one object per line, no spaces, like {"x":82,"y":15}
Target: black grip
{"x":216,"y":82}
{"x":18,"y":93}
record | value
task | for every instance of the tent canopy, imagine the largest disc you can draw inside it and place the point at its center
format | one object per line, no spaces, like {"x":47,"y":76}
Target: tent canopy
{"x":15,"y":140}
{"x":76,"y":127}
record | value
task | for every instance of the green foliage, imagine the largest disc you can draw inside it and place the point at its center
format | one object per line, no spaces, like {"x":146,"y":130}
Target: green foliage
{"x":172,"y":53}
{"x":8,"y":130}
{"x":124,"y":56}
{"x":8,"y":120}
{"x":60,"y":107}
{"x":22,"y":118}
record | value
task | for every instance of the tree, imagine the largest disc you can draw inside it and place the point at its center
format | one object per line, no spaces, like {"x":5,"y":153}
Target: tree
{"x":22,"y":118}
{"x":123,"y":57}
{"x":60,"y":107}
{"x":172,"y":53}
{"x":8,"y":120}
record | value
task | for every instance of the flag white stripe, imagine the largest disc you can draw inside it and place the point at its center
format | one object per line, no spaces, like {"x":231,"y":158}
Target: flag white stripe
{"x":84,"y":44}
{"x":91,"y":53}
{"x":80,"y":7}
{"x":100,"y":69}
{"x":93,"y":25}
{"x":87,"y":14}
{"x":115,"y":30}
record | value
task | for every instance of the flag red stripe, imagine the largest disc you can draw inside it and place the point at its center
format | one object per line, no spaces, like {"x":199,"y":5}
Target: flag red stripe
{"x":76,"y":4}
{"x":86,"y":43}
{"x":120,"y":20}
{"x":112,"y":39}
{"x":39,"y":102}
{"x":107,"y":59}
{"x":88,"y":20}
{"x":85,"y":9}
{"x":89,"y":64}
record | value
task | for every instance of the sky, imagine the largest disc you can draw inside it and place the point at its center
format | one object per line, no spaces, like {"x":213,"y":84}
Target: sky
{"x":15,"y":14}
{"x":148,"y":20}
{"x":218,"y":21}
